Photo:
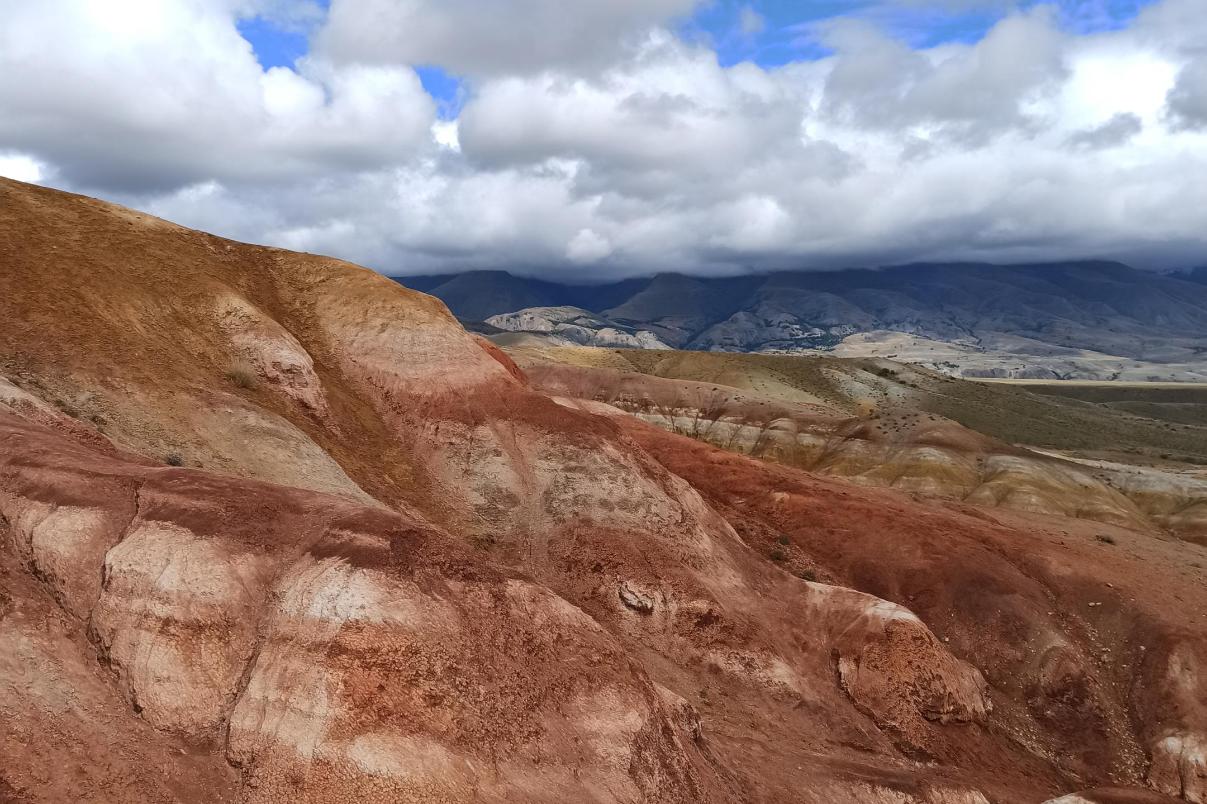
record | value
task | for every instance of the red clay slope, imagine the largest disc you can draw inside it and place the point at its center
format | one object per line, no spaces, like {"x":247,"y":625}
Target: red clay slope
{"x":390,"y":571}
{"x":1091,"y":637}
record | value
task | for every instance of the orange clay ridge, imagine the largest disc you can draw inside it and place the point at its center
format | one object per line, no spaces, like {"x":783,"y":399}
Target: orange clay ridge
{"x":276,"y":529}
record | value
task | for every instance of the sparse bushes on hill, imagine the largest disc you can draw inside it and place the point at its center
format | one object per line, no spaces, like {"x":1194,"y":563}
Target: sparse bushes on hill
{"x":867,"y":409}
{"x":67,"y":409}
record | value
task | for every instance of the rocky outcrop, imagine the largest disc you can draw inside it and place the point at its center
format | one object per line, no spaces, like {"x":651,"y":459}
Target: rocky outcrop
{"x":264,"y":349}
{"x":905,"y":674}
{"x":1179,"y":766}
{"x":335,"y":650}
{"x":573,"y":325}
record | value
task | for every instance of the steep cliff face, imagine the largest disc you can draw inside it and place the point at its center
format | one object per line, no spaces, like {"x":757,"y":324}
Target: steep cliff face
{"x":274,"y":524}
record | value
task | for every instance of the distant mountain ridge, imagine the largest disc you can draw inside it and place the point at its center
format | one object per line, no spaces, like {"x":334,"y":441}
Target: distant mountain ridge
{"x":1093,"y":320}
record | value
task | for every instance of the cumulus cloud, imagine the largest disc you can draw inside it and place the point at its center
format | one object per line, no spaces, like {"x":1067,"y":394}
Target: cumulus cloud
{"x":609,"y":144}
{"x":136,"y":95}
{"x":673,"y":112}
{"x":966,"y":92}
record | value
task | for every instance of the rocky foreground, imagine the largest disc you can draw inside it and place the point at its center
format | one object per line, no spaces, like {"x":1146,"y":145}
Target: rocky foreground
{"x":277,"y":529}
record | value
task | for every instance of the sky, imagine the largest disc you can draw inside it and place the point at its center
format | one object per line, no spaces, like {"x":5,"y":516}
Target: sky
{"x":597,"y":139}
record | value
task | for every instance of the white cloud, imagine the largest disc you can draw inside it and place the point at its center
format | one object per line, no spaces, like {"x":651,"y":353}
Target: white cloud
{"x":971,"y":92}
{"x":132,"y":94}
{"x":587,"y":246}
{"x":673,"y":112}
{"x":21,"y":167}
{"x":616,"y":149}
{"x":447,"y":134}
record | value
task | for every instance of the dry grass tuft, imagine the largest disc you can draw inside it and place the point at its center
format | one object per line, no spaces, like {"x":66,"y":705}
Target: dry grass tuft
{"x":242,"y":375}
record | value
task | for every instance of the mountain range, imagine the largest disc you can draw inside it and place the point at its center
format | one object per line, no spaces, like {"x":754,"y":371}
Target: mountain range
{"x":1077,"y":320}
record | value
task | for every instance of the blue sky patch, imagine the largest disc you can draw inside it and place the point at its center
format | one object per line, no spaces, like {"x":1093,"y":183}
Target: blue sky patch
{"x":445,"y":88}
{"x":274,"y":45}
{"x":789,"y":29}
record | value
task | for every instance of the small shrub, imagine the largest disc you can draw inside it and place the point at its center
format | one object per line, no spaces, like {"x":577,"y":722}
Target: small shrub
{"x":778,"y":555}
{"x":174,"y":459}
{"x":243,"y":376}
{"x":1105,"y":538}
{"x":784,"y":540}
{"x":807,"y":575}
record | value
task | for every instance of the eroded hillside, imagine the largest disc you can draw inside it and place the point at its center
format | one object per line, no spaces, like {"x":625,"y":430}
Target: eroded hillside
{"x":276,"y":529}
{"x":885,"y":424}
